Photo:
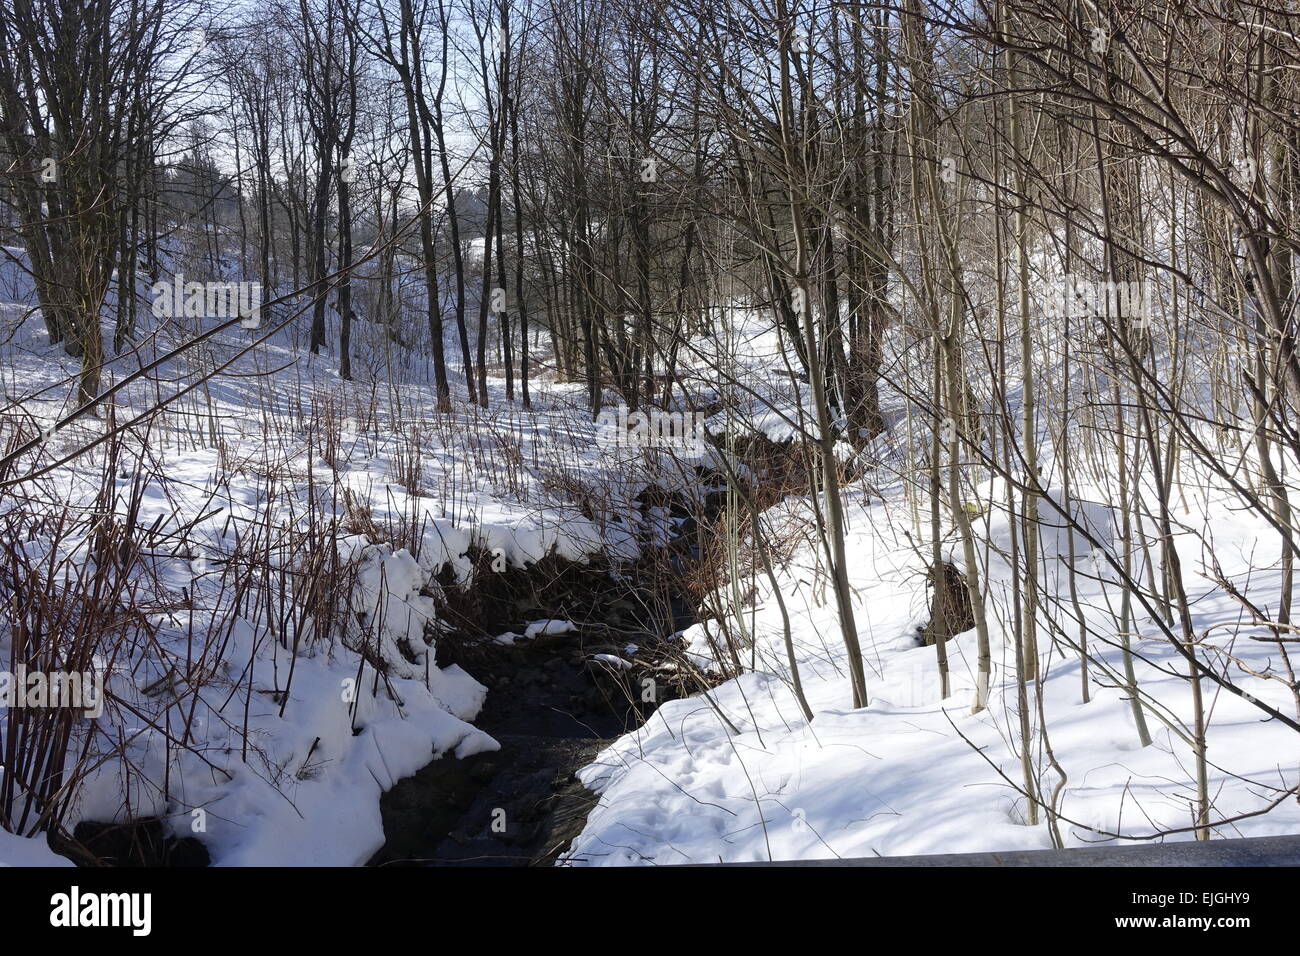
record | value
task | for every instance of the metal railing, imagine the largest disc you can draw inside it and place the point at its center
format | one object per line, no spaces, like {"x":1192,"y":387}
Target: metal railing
{"x":1253,"y":851}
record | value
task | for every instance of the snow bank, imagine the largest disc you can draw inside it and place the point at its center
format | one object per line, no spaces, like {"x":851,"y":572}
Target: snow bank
{"x":903,"y":775}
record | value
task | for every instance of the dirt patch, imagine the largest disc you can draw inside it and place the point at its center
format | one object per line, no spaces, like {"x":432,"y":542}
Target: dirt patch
{"x":950,"y":607}
{"x":138,"y":843}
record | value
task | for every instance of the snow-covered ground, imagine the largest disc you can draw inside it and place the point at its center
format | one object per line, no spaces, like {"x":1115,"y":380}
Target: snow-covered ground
{"x":238,"y":716}
{"x":915,"y":774}
{"x":267,"y":732}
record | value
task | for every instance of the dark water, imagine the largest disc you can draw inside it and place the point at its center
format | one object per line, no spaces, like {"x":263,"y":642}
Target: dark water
{"x":550,"y":705}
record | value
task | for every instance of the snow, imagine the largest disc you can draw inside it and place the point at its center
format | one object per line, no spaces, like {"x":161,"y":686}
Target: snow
{"x":28,"y":851}
{"x":410,"y":499}
{"x":549,"y":628}
{"x":613,"y":660}
{"x":914,"y":774}
{"x":269,"y":777}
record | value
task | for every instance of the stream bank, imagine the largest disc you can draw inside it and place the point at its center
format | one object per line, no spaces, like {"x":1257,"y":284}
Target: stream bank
{"x":554,"y":702}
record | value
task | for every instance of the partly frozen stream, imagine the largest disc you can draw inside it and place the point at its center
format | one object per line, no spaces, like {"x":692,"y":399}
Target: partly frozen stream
{"x":555,"y":701}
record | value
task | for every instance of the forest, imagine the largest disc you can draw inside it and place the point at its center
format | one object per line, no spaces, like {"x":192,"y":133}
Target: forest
{"x":624,"y":432}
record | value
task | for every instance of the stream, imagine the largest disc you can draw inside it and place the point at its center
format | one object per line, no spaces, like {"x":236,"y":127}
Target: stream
{"x":552,"y":703}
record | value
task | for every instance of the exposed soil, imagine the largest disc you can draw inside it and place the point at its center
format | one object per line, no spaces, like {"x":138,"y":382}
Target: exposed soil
{"x":138,"y":843}
{"x":950,"y":608}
